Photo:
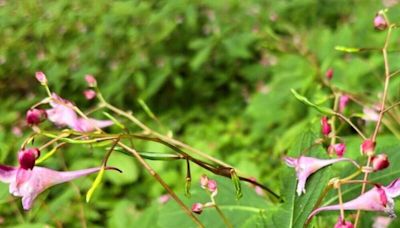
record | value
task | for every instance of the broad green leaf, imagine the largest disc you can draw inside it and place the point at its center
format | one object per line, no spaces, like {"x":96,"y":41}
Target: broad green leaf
{"x":303,"y":99}
{"x":130,"y":171}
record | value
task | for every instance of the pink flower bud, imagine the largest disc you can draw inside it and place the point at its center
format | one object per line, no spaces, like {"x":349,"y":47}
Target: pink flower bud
{"x":212,"y":185}
{"x":35,"y":116}
{"x":341,"y":223}
{"x":203,"y":181}
{"x":164,"y":199}
{"x":380,"y":162}
{"x":91,"y":81}
{"x":197,"y":208}
{"x":325,"y":126}
{"x":41,"y":77}
{"x":380,"y":22}
{"x":27,"y":158}
{"x":89,"y":94}
{"x":367,"y":147}
{"x":329,"y":74}
{"x":339,"y":149}
{"x":343,"y":101}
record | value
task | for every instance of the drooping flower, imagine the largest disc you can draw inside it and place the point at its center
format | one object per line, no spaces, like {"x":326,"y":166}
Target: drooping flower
{"x":329,"y":74}
{"x":28,"y":181}
{"x":380,"y":22}
{"x":343,"y":101}
{"x":35,"y":116}
{"x":341,"y":223}
{"x":379,"y":198}
{"x":367,"y":147}
{"x":338,"y":148}
{"x":379,"y":162}
{"x":305,"y":166}
{"x":325,"y":126}
{"x":63,"y":114}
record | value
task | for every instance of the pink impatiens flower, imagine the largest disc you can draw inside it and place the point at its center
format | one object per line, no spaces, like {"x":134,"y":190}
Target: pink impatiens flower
{"x":63,"y":114}
{"x":305,"y":166}
{"x":379,"y":198}
{"x":28,"y":181}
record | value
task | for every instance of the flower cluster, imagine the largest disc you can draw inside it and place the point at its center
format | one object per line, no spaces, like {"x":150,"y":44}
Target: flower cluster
{"x":210,"y":186}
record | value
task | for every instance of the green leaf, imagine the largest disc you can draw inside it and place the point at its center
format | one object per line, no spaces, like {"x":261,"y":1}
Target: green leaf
{"x":303,"y":99}
{"x":95,"y":184}
{"x":128,"y":167}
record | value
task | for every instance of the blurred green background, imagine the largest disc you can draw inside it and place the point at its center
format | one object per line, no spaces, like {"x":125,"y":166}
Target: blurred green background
{"x":217,"y":74}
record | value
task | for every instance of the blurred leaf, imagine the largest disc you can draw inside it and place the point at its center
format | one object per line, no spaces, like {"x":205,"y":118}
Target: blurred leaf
{"x":130,"y":171}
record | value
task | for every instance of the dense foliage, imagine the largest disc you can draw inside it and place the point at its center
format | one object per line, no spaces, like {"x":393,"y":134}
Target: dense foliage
{"x":218,"y":74}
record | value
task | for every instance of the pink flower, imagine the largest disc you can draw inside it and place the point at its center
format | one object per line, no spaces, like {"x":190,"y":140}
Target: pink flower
{"x":197,"y":208}
{"x":325,"y":126}
{"x":379,"y":198}
{"x":41,"y":77}
{"x":380,"y":162}
{"x":343,"y":101}
{"x":89,"y":94}
{"x":63,"y":114}
{"x":91,"y":81}
{"x":338,"y":148}
{"x":367,"y":147}
{"x":28,"y":181}
{"x":370,"y":115}
{"x":341,"y":223}
{"x":329,"y":74}
{"x":164,"y":199}
{"x":380,"y":22}
{"x":305,"y":166}
{"x":35,"y":116}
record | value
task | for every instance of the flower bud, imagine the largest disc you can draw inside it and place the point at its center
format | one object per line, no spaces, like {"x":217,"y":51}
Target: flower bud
{"x":41,"y":77}
{"x":91,"y":81}
{"x":367,"y":147}
{"x":380,"y":162}
{"x":341,"y":223}
{"x":212,"y":185}
{"x":343,"y":101}
{"x":89,"y":94}
{"x":27,"y":158}
{"x":203,"y":181}
{"x":380,"y":22}
{"x":329,"y":74}
{"x":197,"y":208}
{"x":35,"y":116}
{"x":325,"y":126}
{"x":338,"y":148}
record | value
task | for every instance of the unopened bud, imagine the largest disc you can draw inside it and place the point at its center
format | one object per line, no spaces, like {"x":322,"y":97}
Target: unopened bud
{"x":212,"y":185}
{"x":343,"y":101}
{"x":339,"y":149}
{"x":367,"y":147}
{"x":41,"y":77}
{"x":380,"y":22}
{"x":329,"y":74}
{"x":380,"y":162}
{"x":341,"y":223}
{"x":89,"y":94}
{"x":325,"y":126}
{"x":35,"y":116}
{"x":197,"y":208}
{"x":27,"y":158}
{"x":91,"y":81}
{"x":203,"y":181}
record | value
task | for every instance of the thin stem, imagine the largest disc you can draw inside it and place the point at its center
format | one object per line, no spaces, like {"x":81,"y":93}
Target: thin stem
{"x":381,"y":113}
{"x":341,"y":116}
{"x":340,"y":201}
{"x":335,"y":107}
{"x":226,"y":221}
{"x":161,"y":181}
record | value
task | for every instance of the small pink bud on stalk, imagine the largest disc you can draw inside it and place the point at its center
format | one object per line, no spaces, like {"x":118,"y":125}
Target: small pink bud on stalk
{"x":91,"y":81}
{"x":329,"y":74}
{"x":35,"y":116}
{"x":27,"y":158}
{"x":341,"y":223}
{"x":203,"y":181}
{"x":41,"y":77}
{"x":367,"y":147}
{"x":380,"y":162}
{"x":89,"y":94}
{"x":325,"y":126}
{"x":339,"y":149}
{"x":197,"y":208}
{"x":343,"y":101}
{"x":379,"y":22}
